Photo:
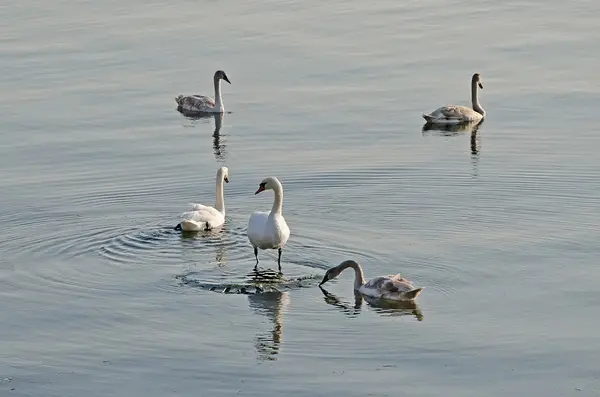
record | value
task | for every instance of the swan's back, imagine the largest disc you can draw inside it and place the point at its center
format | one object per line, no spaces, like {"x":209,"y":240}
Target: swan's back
{"x":452,"y":114}
{"x":390,"y":287}
{"x":195,"y":103}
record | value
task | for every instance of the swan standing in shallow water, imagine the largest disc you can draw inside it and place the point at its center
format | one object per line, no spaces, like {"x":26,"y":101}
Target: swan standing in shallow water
{"x":388,"y":287}
{"x":204,"y":104}
{"x":268,"y":230}
{"x":203,"y":217}
{"x":455,"y":114}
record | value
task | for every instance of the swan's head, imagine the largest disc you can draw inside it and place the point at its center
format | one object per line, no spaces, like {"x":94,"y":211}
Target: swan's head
{"x":220,"y":75}
{"x":268,"y":184}
{"x":478,"y":80}
{"x":223,"y":172}
{"x":330,"y":275}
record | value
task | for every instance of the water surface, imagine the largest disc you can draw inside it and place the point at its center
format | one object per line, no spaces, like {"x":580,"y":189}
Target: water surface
{"x":101,"y":297}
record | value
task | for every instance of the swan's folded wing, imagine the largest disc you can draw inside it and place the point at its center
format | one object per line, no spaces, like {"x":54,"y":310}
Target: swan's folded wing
{"x":457,"y":112}
{"x":195,"y":102}
{"x":389,"y":284}
{"x":197,"y":207}
{"x":256,"y":226}
{"x":378,"y":283}
{"x":205,"y":214}
{"x":398,"y":277}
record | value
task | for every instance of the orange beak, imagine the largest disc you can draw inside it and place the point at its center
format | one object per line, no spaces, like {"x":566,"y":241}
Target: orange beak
{"x":260,"y":189}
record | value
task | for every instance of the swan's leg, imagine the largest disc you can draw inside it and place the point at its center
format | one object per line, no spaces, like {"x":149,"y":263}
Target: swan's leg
{"x":256,"y":256}
{"x":279,"y":260}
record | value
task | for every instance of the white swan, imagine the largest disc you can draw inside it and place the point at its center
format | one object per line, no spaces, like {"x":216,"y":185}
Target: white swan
{"x":203,"y":217}
{"x":455,"y":114}
{"x":204,"y":104}
{"x":268,"y":230}
{"x":394,"y":287}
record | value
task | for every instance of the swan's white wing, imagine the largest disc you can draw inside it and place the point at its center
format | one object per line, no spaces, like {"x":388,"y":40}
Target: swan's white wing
{"x":257,"y":229}
{"x":195,"y":103}
{"x":457,"y":112}
{"x":200,"y":207}
{"x":453,"y":113}
{"x":279,"y":231}
{"x":205,"y":214}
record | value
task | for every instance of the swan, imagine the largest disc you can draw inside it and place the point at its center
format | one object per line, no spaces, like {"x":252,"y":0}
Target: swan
{"x":394,"y":287}
{"x":203,"y":217}
{"x":204,"y":104}
{"x":268,"y":230}
{"x":455,"y":114}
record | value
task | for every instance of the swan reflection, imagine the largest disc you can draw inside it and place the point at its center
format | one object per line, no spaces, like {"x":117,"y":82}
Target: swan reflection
{"x":219,"y":146}
{"x":218,"y":238}
{"x":452,"y":129}
{"x":456,"y":130}
{"x":380,"y":306}
{"x":271,"y":305}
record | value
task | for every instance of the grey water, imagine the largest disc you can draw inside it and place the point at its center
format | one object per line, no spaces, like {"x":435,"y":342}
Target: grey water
{"x":100,"y":297}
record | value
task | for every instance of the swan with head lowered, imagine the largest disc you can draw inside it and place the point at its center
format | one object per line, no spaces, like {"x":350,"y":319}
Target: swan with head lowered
{"x":203,"y":217}
{"x":455,"y":114}
{"x":201,"y":103}
{"x":268,"y":230}
{"x":394,"y":288}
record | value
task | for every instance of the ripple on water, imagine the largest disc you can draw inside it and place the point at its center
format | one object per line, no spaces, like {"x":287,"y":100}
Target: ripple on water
{"x":232,"y":270}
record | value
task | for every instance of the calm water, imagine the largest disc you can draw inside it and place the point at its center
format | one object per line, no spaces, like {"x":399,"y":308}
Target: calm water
{"x":101,"y":297}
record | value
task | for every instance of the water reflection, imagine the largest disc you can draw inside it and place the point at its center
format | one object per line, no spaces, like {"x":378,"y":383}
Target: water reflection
{"x":456,"y":130}
{"x":382,"y":307}
{"x":218,"y":238}
{"x":272,"y":305}
{"x":452,"y":129}
{"x":219,"y":146}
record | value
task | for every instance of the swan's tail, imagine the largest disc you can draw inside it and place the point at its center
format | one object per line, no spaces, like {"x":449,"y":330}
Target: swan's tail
{"x":429,"y":118}
{"x":412,"y":294}
{"x":187,"y":225}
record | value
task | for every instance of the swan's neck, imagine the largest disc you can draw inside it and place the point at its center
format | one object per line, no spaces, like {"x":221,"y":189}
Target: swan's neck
{"x":278,"y":202}
{"x":218,"y":99}
{"x":220,"y":205}
{"x":359,"y":278}
{"x":475,"y":98}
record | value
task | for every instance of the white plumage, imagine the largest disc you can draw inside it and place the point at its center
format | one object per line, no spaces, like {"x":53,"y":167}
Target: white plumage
{"x":203,"y":217}
{"x":269,"y":230}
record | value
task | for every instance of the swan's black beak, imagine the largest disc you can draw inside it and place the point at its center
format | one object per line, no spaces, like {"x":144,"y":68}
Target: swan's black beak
{"x":226,"y":79}
{"x":480,"y":85}
{"x":226,"y":180}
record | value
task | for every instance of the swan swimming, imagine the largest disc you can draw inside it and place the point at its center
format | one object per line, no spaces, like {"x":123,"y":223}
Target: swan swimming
{"x":394,"y":287}
{"x":268,"y":230}
{"x":204,"y":104}
{"x":203,"y":217}
{"x":455,"y":114}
